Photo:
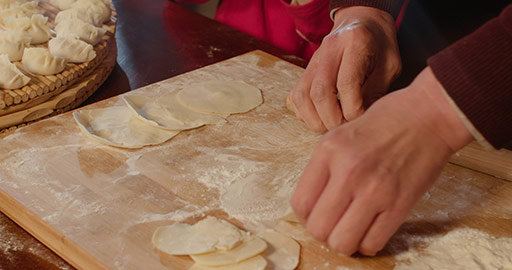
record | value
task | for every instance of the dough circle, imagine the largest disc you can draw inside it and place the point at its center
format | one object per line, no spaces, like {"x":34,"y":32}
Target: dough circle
{"x":250,"y":247}
{"x":117,"y":126}
{"x":166,"y":112}
{"x":208,"y":235}
{"x":220,"y":97}
{"x":284,"y":251}
{"x":254,"y":263}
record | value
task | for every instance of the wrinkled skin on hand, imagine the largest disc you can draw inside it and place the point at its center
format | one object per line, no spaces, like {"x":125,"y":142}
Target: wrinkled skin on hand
{"x":364,"y":177}
{"x":357,"y":61}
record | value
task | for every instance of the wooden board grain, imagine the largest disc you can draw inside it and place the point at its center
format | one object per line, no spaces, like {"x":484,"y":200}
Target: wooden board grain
{"x":97,"y":206}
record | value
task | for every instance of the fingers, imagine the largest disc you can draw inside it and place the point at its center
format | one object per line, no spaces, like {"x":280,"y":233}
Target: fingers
{"x":349,"y":231}
{"x":301,"y":100}
{"x":384,"y":226}
{"x":326,"y":213}
{"x":324,"y":93}
{"x":310,"y":186}
{"x":356,"y":65}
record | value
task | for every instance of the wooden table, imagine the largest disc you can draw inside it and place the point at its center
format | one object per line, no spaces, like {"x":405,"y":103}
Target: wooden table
{"x":158,"y":39}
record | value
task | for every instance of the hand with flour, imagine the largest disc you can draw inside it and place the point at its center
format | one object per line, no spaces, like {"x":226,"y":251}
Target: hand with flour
{"x":361,"y":182}
{"x":357,"y":61}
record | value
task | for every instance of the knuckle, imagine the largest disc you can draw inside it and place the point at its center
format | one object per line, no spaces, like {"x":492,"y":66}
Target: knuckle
{"x":297,"y":97}
{"x":318,"y":92}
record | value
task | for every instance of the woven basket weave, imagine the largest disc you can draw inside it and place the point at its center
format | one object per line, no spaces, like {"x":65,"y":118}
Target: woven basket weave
{"x":45,"y":96}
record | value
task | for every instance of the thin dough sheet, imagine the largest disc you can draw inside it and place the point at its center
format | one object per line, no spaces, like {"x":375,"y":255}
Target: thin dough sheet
{"x":220,"y":97}
{"x":254,"y":263}
{"x":118,"y":126}
{"x":166,"y":112}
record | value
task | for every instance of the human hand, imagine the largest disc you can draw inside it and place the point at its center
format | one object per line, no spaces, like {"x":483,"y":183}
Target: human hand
{"x":358,"y":60}
{"x":365,"y":177}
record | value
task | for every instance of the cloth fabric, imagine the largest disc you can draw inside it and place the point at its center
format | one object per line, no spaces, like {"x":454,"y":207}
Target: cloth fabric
{"x":297,"y":29}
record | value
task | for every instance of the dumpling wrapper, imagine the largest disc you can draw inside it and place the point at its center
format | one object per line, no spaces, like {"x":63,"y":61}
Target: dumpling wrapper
{"x":13,"y":44}
{"x":35,"y":27}
{"x":86,"y":32}
{"x":220,"y":97}
{"x":6,"y":4}
{"x":251,"y":246}
{"x":63,"y":4}
{"x":72,"y":49}
{"x":166,"y":112}
{"x":254,"y":263}
{"x":117,"y":126}
{"x":207,"y":235}
{"x":97,"y":6}
{"x":11,"y":77}
{"x":20,"y":10}
{"x":283,"y":252}
{"x":41,"y":61}
{"x":82,"y":14}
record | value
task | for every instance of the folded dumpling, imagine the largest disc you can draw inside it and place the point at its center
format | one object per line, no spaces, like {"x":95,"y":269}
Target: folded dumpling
{"x":40,"y":61}
{"x":72,"y":49}
{"x":5,"y":4}
{"x":35,"y":27}
{"x":20,"y":11}
{"x":13,"y":44}
{"x":82,"y":14}
{"x":86,"y":32}
{"x":63,"y":4}
{"x":97,"y":6}
{"x":11,"y":77}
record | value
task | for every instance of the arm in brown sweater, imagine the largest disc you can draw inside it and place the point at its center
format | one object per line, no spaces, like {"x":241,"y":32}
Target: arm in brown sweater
{"x":476,"y":72}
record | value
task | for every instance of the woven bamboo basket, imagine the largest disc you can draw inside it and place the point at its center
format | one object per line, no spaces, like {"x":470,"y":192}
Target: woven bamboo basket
{"x":46,"y":96}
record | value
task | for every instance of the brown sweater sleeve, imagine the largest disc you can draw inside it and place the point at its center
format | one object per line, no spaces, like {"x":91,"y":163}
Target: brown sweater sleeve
{"x":476,"y":72}
{"x":391,"y":6}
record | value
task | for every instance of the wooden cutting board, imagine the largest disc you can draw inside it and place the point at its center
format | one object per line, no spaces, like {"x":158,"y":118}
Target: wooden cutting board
{"x":97,"y":206}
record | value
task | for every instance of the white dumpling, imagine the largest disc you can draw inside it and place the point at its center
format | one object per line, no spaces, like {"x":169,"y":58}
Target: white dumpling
{"x":86,"y":32}
{"x":13,"y":44}
{"x":20,"y":11}
{"x":82,"y":14}
{"x":5,"y":4}
{"x":72,"y":49}
{"x":96,"y":6}
{"x":35,"y":27}
{"x":11,"y":77}
{"x":40,"y":61}
{"x":62,"y":4}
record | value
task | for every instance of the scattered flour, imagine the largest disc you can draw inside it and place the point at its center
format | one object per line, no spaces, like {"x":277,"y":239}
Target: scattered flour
{"x":460,"y":249}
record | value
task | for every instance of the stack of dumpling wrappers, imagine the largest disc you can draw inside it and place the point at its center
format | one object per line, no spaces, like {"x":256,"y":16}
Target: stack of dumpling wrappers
{"x":46,"y":47}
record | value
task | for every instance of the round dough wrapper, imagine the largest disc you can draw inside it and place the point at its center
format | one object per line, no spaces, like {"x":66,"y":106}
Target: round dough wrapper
{"x":166,"y":112}
{"x":209,"y":234}
{"x":254,"y":263}
{"x":283,"y":253}
{"x":250,"y":247}
{"x":220,"y":97}
{"x":117,"y":126}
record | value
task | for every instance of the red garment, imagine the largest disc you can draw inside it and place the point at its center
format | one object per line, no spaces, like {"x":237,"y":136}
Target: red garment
{"x":278,"y":23}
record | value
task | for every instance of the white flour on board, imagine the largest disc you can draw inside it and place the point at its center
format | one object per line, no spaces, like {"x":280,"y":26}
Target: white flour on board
{"x":460,"y":249}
